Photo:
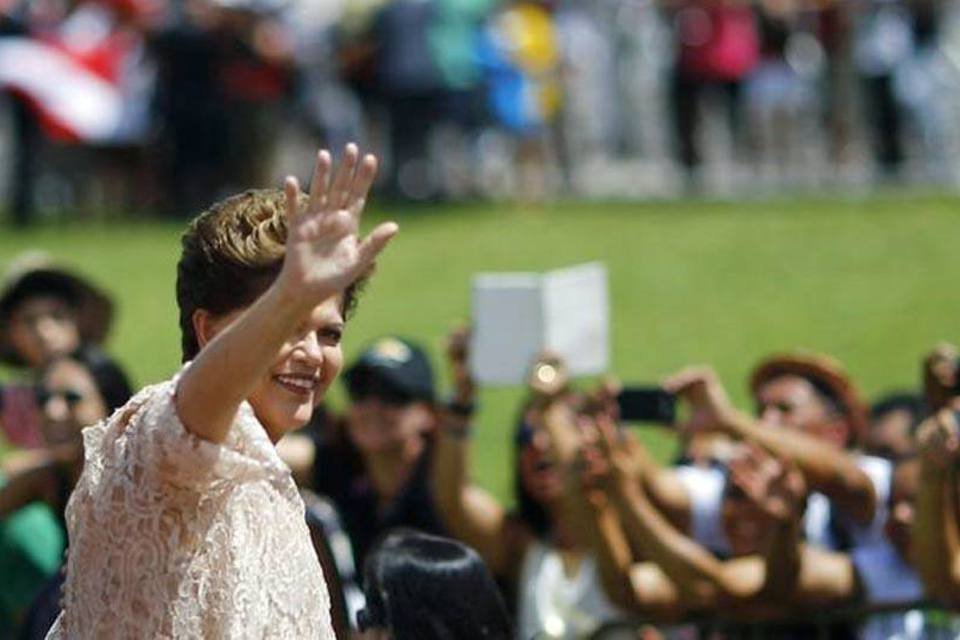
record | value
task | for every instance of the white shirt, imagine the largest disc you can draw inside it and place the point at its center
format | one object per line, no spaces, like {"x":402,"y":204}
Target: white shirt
{"x":705,"y":486}
{"x":816,"y":521}
{"x":554,"y":605}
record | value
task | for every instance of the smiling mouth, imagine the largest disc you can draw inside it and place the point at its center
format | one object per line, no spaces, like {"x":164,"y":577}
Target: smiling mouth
{"x":302,"y":386}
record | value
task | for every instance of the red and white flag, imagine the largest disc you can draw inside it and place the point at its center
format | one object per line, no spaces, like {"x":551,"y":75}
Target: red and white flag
{"x":74,"y":79}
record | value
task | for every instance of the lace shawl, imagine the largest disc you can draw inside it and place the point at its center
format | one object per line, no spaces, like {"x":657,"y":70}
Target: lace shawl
{"x":172,"y":536}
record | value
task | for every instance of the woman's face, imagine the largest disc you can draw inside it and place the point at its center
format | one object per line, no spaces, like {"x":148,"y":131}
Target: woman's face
{"x":538,"y":471}
{"x":381,"y":422}
{"x":302,"y":371}
{"x":69,"y":400}
{"x":41,"y":328}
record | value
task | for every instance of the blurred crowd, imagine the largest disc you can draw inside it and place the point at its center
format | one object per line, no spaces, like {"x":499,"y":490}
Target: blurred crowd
{"x":164,"y":104}
{"x":812,"y":515}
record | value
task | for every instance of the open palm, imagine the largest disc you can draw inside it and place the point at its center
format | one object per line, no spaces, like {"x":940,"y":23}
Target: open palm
{"x":324,"y":253}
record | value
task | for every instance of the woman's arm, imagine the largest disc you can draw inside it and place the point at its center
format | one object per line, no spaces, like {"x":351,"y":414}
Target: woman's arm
{"x":323,"y":256}
{"x":468,"y":512}
{"x":936,"y":538}
{"x":640,"y":587}
{"x":698,"y":574}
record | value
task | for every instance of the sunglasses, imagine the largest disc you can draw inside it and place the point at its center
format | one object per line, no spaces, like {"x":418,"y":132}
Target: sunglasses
{"x":69,"y":396}
{"x":361,"y":388}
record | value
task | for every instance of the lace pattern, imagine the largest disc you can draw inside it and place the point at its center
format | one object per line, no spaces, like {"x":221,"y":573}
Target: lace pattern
{"x":172,"y":536}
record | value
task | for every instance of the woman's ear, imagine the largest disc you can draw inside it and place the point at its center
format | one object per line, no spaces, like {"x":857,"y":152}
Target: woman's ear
{"x":207,"y":325}
{"x":204,"y":327}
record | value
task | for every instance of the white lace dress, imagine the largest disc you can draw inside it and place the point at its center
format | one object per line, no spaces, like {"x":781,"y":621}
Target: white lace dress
{"x":175,"y":537}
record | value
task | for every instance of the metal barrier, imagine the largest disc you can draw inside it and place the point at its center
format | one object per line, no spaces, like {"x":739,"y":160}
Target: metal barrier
{"x":925,"y":620}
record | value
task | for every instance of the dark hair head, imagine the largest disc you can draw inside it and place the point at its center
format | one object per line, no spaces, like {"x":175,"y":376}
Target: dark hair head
{"x":92,"y":307}
{"x":232,"y":253}
{"x":110,"y":379}
{"x":529,"y":511}
{"x":907,"y":401}
{"x":424,"y":587}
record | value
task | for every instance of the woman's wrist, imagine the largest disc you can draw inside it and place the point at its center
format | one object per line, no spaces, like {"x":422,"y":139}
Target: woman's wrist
{"x":287,"y":299}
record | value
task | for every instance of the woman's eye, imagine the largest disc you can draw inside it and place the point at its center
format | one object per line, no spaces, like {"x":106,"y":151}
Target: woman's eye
{"x":332,"y":336}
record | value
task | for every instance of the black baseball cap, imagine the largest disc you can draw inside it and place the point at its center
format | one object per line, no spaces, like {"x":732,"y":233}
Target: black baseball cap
{"x":397,"y":362}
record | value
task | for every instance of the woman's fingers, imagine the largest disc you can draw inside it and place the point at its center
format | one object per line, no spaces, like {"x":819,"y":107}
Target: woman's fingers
{"x":340,"y":189}
{"x":291,"y":192}
{"x":375,"y":242}
{"x":362,"y":183}
{"x":320,"y":181}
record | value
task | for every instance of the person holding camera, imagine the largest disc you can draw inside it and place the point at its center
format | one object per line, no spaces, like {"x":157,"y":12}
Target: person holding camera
{"x":537,"y":551}
{"x":809,"y":414}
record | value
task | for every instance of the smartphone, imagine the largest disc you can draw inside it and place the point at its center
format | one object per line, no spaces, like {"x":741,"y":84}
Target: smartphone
{"x":647,"y":404}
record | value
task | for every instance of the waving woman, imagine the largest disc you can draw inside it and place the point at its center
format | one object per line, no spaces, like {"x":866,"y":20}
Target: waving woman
{"x":185,"y":522}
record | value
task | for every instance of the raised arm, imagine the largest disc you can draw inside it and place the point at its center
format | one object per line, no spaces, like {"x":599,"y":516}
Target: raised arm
{"x":468,"y":512}
{"x":324,"y":255}
{"x":936,"y":537}
{"x":826,"y":469}
{"x":662,"y":484}
{"x":700,"y":577}
{"x":641,"y":587}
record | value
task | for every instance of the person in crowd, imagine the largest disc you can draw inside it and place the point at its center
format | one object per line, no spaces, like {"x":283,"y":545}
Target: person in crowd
{"x":537,"y":551}
{"x":374,"y":465}
{"x":520,"y":53}
{"x":808,"y":410}
{"x":878,"y":574}
{"x":675,"y":576}
{"x":424,"y":587}
{"x":185,"y":521}
{"x":73,"y":392}
{"x":810,"y":414}
{"x":893,"y":420}
{"x":883,"y":41}
{"x":717,"y":46}
{"x":223,"y":71}
{"x":45,"y":312}
{"x":773,"y":573}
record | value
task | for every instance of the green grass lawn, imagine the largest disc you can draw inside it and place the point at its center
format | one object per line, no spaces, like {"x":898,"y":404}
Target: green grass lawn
{"x":871,"y":281}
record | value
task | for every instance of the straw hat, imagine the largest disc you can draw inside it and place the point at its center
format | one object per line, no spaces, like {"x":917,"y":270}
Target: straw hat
{"x":33,"y":274}
{"x":825,"y":373}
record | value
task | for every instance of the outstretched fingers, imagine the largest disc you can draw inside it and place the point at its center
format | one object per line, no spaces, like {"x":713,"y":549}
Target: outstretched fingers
{"x":291,"y":192}
{"x":375,"y":242}
{"x":320,"y":180}
{"x":362,"y":183}
{"x":338,"y":196}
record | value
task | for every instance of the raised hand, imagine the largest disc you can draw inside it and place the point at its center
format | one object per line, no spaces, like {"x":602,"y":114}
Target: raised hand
{"x":938,"y":439}
{"x":613,"y":457}
{"x":940,"y":376}
{"x":711,"y":408}
{"x":458,"y":355}
{"x":774,"y":486}
{"x":324,"y":253}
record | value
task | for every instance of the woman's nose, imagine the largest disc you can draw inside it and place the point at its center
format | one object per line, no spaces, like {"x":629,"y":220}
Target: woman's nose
{"x":310,"y":349}
{"x":56,"y":409}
